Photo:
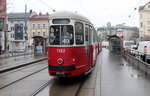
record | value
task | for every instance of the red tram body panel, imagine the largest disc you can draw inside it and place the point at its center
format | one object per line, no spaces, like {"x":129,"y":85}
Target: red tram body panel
{"x":74,"y":45}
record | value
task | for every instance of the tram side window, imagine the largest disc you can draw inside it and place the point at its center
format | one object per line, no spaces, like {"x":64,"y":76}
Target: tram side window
{"x":54,"y":35}
{"x":86,"y":34}
{"x":79,"y":33}
{"x":94,"y":38}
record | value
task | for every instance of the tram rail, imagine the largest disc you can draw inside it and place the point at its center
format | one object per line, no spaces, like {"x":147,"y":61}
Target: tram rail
{"x":50,"y":82}
{"x":20,"y":65}
{"x":32,"y":73}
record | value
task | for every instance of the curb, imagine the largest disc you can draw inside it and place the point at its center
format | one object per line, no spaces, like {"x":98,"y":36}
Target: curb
{"x":21,"y":65}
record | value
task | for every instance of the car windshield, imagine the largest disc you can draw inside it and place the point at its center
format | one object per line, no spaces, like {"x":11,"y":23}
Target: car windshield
{"x":61,"y":35}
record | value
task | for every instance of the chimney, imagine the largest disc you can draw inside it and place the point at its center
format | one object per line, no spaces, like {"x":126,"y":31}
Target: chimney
{"x":40,"y":13}
{"x":47,"y":13}
{"x":30,"y":11}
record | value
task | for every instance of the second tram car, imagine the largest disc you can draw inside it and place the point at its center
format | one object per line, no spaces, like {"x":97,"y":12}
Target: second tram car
{"x":73,"y":44}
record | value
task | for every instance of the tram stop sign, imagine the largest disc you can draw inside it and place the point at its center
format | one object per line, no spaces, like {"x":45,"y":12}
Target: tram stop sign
{"x":119,"y":32}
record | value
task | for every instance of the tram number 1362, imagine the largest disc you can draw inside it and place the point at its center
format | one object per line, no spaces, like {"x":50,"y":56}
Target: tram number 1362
{"x":60,"y":50}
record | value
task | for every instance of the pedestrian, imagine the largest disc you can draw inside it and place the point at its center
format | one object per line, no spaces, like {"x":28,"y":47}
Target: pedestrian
{"x":8,"y":48}
{"x":0,"y":49}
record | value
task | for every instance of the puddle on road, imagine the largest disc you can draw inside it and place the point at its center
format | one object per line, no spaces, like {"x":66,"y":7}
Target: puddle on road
{"x":135,"y":75}
{"x":124,"y":64}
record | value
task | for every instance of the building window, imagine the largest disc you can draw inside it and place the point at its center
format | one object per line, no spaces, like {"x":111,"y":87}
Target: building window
{"x":12,"y":28}
{"x":12,"y":35}
{"x":33,"y":33}
{"x":38,"y":25}
{"x":44,"y":25}
{"x":148,"y":30}
{"x":148,"y":6}
{"x":38,"y":33}
{"x":33,"y":26}
{"x":141,"y":24}
{"x":140,"y":16}
{"x":44,"y":34}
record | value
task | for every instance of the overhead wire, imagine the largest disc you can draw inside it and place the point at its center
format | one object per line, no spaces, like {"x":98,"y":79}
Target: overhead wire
{"x":47,"y":5}
{"x":135,"y":8}
{"x":84,"y":8}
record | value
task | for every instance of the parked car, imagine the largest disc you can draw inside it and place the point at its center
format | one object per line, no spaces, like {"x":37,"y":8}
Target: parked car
{"x":127,"y":45}
{"x":143,"y":49}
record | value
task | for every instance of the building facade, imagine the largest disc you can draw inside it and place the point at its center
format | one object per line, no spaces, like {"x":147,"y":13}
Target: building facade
{"x":2,"y":22}
{"x":38,"y":26}
{"x":18,"y":36}
{"x":144,"y":20}
{"x":128,"y":32}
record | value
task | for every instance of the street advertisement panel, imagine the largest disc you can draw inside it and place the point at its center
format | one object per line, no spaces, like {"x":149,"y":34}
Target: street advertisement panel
{"x":18,"y":31}
{"x":39,"y":49}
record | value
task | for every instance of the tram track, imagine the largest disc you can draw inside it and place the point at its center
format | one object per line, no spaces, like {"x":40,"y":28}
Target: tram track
{"x":20,"y":65}
{"x":19,"y":79}
{"x":79,"y":88}
{"x":50,"y":82}
{"x":65,"y":87}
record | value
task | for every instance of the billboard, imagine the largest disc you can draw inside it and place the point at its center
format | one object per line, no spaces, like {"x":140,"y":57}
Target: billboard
{"x":18,"y":32}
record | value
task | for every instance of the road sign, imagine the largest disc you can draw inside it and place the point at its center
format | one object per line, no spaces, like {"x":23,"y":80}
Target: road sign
{"x":119,"y":32}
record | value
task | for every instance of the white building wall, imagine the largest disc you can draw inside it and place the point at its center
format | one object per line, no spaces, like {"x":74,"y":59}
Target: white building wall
{"x":144,"y":21}
{"x":16,"y":44}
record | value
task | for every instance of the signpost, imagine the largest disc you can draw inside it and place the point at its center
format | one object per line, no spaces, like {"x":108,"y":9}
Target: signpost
{"x":119,"y":32}
{"x":120,"y":35}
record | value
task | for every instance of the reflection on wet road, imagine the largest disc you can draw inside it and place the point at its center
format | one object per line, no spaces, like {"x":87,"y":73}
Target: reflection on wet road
{"x":118,"y":78}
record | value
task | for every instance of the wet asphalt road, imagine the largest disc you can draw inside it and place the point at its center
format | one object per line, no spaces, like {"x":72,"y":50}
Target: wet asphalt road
{"x":118,"y":78}
{"x":112,"y":76}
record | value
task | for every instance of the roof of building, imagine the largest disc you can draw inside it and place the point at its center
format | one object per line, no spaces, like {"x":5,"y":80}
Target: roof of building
{"x":142,"y":7}
{"x":18,"y":15}
{"x":39,"y":17}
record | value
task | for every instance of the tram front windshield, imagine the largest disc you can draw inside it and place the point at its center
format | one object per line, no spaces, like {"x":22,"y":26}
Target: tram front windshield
{"x":61,"y":35}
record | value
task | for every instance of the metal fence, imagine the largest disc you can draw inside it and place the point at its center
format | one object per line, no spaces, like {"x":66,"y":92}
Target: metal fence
{"x":139,"y":60}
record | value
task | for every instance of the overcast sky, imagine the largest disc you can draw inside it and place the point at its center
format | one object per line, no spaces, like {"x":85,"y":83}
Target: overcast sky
{"x":98,"y":11}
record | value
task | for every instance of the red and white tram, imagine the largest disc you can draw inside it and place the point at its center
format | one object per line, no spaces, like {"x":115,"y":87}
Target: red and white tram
{"x":73,"y":45}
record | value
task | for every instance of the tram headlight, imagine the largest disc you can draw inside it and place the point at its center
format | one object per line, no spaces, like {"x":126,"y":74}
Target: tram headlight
{"x":60,"y":61}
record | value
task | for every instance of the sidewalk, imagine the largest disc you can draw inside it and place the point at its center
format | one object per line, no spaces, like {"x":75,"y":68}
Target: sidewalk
{"x":119,"y":78}
{"x":7,"y":63}
{"x":13,"y":54}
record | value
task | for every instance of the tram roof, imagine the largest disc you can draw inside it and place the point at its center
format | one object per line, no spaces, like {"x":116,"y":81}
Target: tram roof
{"x":67,"y":14}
